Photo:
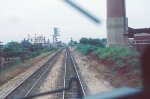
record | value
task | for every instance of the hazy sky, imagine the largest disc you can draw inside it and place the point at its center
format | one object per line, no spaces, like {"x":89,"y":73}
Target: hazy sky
{"x":19,"y":18}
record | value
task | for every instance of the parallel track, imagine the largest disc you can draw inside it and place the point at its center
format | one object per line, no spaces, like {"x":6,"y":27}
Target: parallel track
{"x":77,"y":90}
{"x":26,"y":88}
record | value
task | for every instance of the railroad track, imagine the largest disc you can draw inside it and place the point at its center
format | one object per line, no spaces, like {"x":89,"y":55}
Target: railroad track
{"x":28,"y":86}
{"x":76,"y":91}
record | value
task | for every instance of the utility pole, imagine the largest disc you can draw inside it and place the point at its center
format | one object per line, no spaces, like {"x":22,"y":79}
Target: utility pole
{"x":72,"y":43}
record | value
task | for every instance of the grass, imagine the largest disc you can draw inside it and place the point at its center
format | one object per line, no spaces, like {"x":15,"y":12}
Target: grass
{"x":86,"y":49}
{"x":116,"y":58}
{"x":121,"y":62}
{"x":116,"y":53}
{"x":119,"y":55}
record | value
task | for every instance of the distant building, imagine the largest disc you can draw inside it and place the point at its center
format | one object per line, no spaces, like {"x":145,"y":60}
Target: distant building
{"x":36,"y":39}
{"x":141,"y":41}
{"x":39,"y":40}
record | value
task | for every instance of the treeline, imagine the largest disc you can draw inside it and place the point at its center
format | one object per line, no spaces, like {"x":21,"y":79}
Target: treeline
{"x":96,"y":42}
{"x":89,"y":45}
{"x":24,"y":50}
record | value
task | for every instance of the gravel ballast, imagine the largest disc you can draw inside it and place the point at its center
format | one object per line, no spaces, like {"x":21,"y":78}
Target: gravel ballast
{"x":94,"y":81}
{"x":10,"y":85}
{"x":51,"y":82}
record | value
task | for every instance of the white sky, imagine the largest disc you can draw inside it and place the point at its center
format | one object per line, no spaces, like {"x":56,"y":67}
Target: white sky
{"x":19,"y":18}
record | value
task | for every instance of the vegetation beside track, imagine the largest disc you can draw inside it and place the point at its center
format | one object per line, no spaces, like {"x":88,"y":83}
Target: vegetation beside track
{"x":14,"y":53}
{"x":16,"y":57}
{"x":117,"y":57}
{"x":118,"y":60}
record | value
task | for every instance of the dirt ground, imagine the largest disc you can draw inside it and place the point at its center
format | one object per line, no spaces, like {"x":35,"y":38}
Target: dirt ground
{"x":92,"y":74}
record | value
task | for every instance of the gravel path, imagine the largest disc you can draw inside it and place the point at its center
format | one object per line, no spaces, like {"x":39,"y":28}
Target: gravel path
{"x":10,"y":85}
{"x":52,"y":79}
{"x":94,"y":81}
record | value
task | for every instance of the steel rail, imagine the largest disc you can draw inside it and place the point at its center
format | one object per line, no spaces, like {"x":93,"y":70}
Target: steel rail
{"x":37,"y":80}
{"x":76,"y":75}
{"x":8,"y":94}
{"x":65,"y":76}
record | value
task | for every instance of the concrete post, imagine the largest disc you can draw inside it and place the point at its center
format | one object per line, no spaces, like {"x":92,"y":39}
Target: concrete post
{"x":117,"y":23}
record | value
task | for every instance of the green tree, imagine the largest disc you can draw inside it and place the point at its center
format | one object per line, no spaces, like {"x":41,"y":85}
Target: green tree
{"x":97,"y":42}
{"x":26,"y":44}
{"x":84,"y":40}
{"x":104,"y":41}
{"x":75,"y":42}
{"x":35,"y":47}
{"x":14,"y":46}
{"x":12,"y":49}
{"x":72,"y":42}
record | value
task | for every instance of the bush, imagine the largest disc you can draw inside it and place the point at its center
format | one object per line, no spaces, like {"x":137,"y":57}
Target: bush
{"x":86,"y":49}
{"x":117,"y":53}
{"x":34,"y":54}
{"x":114,"y":57}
